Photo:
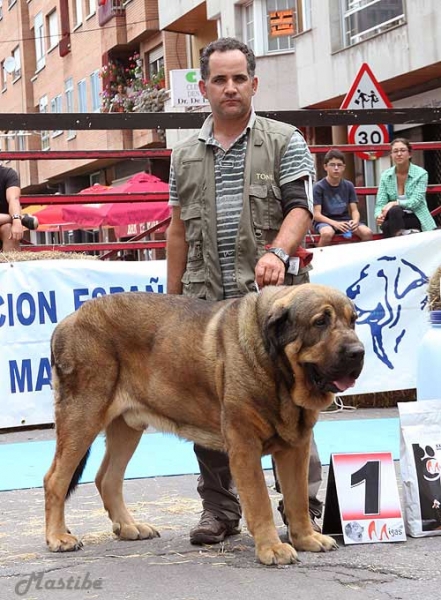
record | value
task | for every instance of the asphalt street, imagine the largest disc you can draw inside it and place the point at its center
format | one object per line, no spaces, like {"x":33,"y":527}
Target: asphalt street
{"x":170,"y":567}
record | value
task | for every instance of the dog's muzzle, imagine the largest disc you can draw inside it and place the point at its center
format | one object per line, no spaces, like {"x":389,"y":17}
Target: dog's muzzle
{"x":341,"y":376}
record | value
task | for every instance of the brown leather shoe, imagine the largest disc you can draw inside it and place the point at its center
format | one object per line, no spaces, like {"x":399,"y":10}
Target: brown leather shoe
{"x":212,"y":530}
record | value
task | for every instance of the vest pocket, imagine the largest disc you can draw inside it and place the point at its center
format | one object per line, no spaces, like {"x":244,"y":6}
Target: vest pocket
{"x":193,"y":282}
{"x":191,"y":215}
{"x":266,"y":206}
{"x":266,"y":212}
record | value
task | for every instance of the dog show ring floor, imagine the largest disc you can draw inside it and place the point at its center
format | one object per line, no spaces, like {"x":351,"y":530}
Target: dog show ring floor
{"x":170,"y":567}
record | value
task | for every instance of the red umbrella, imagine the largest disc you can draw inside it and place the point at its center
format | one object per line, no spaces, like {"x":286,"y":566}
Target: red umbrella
{"x":96,"y":188}
{"x":118,"y":213}
{"x":51,"y":216}
{"x":114,"y":214}
{"x":139,"y":183}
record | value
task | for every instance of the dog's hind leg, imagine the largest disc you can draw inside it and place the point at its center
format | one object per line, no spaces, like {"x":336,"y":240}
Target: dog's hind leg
{"x":121,"y":443}
{"x":73,"y":443}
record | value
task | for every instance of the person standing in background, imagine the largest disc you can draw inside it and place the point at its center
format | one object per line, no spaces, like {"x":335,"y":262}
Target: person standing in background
{"x":240,"y":192}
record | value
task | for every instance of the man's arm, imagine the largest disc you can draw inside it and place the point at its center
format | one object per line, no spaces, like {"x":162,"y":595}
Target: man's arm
{"x":177,"y":249}
{"x":270,"y":270}
{"x":13,"y":199}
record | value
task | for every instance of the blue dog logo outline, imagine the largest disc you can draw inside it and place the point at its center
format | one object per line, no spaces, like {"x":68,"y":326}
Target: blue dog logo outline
{"x":388,"y":312}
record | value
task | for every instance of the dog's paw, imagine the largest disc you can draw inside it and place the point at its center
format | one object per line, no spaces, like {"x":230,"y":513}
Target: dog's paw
{"x":63,"y":542}
{"x":135,"y":531}
{"x":315,"y":542}
{"x":277,"y":554}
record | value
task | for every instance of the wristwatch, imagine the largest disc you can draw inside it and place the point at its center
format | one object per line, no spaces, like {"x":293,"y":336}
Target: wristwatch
{"x":15,"y":217}
{"x":280,"y":253}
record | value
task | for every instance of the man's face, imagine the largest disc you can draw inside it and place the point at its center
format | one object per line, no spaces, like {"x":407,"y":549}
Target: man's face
{"x":335,"y":169}
{"x":229,"y":88}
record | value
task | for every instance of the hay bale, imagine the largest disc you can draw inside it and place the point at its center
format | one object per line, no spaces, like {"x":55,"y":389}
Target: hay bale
{"x":433,"y":292}
{"x":21,"y":256}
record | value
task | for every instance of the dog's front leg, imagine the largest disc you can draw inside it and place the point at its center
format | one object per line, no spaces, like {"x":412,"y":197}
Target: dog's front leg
{"x":292,"y":470}
{"x":246,"y":468}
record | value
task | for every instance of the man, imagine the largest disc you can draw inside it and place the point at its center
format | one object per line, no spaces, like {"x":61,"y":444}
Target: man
{"x":11,"y":219}
{"x":335,"y":203}
{"x":240,"y":192}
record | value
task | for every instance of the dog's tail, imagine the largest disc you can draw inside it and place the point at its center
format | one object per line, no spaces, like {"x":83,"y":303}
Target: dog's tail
{"x":78,"y":474}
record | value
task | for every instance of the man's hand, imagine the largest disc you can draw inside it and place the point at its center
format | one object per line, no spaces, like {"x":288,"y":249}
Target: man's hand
{"x":269,"y":270}
{"x":353,"y":224}
{"x":16,"y":230}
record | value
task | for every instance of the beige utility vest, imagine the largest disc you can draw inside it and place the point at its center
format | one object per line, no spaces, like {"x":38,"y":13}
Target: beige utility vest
{"x":261,"y":217}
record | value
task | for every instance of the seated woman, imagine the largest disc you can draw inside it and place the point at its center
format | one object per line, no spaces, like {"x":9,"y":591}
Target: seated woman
{"x":401,"y":206}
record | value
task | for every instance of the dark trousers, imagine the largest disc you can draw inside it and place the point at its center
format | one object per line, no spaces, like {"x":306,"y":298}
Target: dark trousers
{"x":396,"y":219}
{"x":218,"y":493}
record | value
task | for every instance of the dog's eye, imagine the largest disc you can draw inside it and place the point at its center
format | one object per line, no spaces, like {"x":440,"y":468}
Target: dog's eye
{"x":321,"y":322}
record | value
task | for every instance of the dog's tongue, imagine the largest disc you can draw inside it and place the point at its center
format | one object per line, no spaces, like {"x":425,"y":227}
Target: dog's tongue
{"x":344,"y":383}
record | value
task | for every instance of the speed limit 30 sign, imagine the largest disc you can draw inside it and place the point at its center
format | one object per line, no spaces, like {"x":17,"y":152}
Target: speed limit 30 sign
{"x":368,"y":134}
{"x":367,"y":93}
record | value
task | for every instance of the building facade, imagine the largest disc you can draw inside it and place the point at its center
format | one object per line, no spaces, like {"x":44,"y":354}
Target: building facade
{"x":78,"y":56}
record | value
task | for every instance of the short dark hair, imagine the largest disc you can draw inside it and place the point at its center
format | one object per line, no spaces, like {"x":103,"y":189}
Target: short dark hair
{"x":224,"y":45}
{"x":334,"y":154}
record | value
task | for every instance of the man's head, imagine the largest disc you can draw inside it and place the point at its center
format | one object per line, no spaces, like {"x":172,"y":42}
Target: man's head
{"x":226,"y":45}
{"x":227,"y":79}
{"x":334,"y":164}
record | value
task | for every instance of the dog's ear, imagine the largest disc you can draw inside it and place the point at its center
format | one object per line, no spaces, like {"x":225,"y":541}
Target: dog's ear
{"x":280,"y":329}
{"x":278,"y":333}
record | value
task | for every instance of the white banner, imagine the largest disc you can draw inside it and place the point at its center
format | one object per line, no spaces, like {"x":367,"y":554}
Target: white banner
{"x":386,"y":279}
{"x":34,"y":297}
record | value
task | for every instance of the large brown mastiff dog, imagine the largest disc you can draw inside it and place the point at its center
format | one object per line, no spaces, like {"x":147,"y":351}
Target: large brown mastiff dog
{"x":248,"y":376}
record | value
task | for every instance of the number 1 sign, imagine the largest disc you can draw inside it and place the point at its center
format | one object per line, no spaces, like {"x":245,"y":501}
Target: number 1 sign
{"x":362,"y":501}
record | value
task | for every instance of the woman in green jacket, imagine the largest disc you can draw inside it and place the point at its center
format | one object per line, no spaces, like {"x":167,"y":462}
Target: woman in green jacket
{"x":401,"y":206}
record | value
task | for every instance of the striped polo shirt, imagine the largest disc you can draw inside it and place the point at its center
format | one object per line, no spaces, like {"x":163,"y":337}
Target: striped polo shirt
{"x":229,"y":167}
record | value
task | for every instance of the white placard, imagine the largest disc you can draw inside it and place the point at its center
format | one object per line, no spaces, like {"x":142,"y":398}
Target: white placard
{"x":184,"y":87}
{"x":364,"y":488}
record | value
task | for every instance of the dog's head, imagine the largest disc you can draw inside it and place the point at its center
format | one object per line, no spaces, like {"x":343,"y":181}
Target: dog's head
{"x":395,"y":281}
{"x":309,"y":333}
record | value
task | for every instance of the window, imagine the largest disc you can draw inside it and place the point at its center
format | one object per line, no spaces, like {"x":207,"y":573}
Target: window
{"x":69,"y":97}
{"x":21,"y":140}
{"x":77,"y":12}
{"x":56,"y":107}
{"x":95,"y":88}
{"x":4,"y":76}
{"x":248,"y":25}
{"x":17,"y":62}
{"x":363,"y":19}
{"x":52,"y":26}
{"x":270,"y":25}
{"x":44,"y":135}
{"x":1,"y":9}
{"x":90,"y":7}
{"x":82,"y":96}
{"x":39,"y":41}
{"x":156,"y":60}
